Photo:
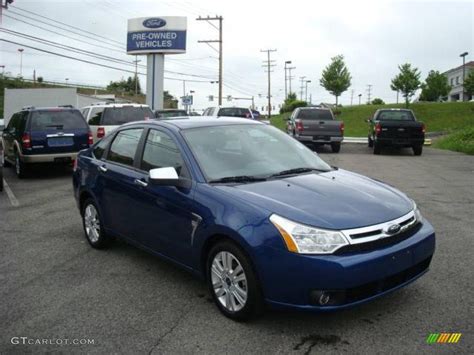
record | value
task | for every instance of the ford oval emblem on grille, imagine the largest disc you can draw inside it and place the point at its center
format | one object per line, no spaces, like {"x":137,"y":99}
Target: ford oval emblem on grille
{"x":394,"y":228}
{"x":154,"y":22}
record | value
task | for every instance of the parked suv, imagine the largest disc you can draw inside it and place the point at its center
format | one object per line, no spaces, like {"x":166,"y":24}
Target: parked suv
{"x":103,"y":118}
{"x":44,"y":135}
{"x":221,"y":111}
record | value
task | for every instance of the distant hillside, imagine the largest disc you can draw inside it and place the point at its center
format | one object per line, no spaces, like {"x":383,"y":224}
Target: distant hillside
{"x":438,"y":116}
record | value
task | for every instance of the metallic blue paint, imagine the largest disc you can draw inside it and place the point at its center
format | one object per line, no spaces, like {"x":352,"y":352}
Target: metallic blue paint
{"x":160,"y":220}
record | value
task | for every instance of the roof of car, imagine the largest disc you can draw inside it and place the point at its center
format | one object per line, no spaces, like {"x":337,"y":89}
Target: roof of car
{"x":200,"y":121}
{"x":394,"y":109}
{"x":170,"y":110}
{"x":114,"y":104}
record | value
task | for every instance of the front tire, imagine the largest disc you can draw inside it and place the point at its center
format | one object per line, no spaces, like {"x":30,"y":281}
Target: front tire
{"x":93,"y":226}
{"x":233,"y":283}
{"x":336,"y":147}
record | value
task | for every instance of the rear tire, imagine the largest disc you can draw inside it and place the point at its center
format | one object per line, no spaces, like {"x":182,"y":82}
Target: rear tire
{"x":93,"y":226}
{"x":233,"y":284}
{"x":336,"y":147}
{"x":371,"y":142}
{"x":417,"y":149}
{"x":1,"y":178}
{"x":377,"y":148}
{"x":20,"y":167}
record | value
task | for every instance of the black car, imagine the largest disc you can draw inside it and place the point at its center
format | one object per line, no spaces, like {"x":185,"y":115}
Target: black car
{"x":396,"y":128}
{"x":44,"y":135}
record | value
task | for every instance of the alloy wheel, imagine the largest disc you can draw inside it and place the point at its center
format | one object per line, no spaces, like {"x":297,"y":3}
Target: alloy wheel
{"x":92,"y":223}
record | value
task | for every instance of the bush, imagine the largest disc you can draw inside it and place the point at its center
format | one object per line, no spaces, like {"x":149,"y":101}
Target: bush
{"x":290,"y":106}
{"x":377,"y":101}
{"x":459,"y":141}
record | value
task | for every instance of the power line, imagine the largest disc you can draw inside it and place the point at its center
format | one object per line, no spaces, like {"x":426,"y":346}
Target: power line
{"x":65,"y":24}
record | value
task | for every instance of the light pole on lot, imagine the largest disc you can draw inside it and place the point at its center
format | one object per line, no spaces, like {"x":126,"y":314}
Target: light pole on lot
{"x":286,"y":78}
{"x":3,"y":69}
{"x":360,"y":95}
{"x":67,"y":80}
{"x":463,"y":55}
{"x":306,"y":90}
{"x":21,"y":61}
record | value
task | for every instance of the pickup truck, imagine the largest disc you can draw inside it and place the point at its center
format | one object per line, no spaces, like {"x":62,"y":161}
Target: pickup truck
{"x":397,"y":128}
{"x":316,"y":125}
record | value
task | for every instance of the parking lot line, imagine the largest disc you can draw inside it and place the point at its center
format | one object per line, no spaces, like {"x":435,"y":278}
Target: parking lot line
{"x":10,"y":194}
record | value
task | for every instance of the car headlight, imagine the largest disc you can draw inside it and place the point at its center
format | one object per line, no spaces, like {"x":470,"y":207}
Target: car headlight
{"x":418,"y":216}
{"x":308,"y":240}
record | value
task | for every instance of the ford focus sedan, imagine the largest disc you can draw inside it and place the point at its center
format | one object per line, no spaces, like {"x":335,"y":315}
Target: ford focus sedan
{"x":252,"y":211}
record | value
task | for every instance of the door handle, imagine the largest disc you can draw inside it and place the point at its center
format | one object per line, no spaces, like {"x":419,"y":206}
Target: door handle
{"x":102,"y":168}
{"x":140,"y":183}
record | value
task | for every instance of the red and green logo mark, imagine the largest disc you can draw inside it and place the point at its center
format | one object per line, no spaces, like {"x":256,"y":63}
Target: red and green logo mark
{"x":443,"y":338}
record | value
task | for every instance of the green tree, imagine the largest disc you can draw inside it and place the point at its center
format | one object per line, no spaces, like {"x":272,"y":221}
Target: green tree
{"x":125,"y":86}
{"x":469,"y":83}
{"x":40,"y":79}
{"x":407,"y":81}
{"x":291,"y":102}
{"x":378,"y":101}
{"x":435,"y":86}
{"x":336,"y":77}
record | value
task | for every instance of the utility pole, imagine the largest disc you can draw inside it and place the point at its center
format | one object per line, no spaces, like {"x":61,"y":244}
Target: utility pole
{"x":352,"y":96}
{"x":397,"y":96}
{"x":208,"y":42}
{"x":136,"y":61}
{"x":286,"y":78}
{"x":269,"y":65}
{"x":302,"y":87}
{"x":289,"y":78}
{"x":369,"y":89}
{"x":21,"y":61}
{"x":463,"y":55}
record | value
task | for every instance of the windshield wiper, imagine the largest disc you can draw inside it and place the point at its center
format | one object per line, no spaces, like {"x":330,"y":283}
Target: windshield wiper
{"x":297,"y":171}
{"x":241,"y":178}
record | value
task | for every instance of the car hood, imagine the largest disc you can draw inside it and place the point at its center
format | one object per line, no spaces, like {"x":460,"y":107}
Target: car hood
{"x":335,"y":200}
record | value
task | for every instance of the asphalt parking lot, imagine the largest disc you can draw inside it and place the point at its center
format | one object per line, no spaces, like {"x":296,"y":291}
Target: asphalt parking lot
{"x":54,"y":286}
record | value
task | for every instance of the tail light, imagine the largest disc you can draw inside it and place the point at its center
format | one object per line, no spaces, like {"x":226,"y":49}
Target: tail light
{"x":378,"y":128}
{"x":341,"y":128}
{"x":100,"y":132}
{"x":423,"y":128}
{"x":26,"y":141}
{"x":90,"y":139}
{"x":299,"y":125}
{"x":74,"y":164}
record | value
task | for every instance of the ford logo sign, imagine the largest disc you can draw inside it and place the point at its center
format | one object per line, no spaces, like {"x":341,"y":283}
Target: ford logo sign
{"x":154,"y":22}
{"x":393,"y":229}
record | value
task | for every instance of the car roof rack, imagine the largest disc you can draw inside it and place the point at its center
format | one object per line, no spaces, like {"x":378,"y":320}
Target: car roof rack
{"x":27,"y":108}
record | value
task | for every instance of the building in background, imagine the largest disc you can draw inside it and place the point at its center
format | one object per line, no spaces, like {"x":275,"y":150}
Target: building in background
{"x":454,"y":77}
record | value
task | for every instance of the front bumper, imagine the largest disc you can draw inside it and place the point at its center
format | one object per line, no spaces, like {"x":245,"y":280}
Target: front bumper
{"x":289,"y":280}
{"x":319,"y":140}
{"x":49,"y":158}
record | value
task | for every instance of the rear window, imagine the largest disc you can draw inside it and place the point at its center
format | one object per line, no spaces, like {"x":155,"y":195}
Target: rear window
{"x":168,"y":114}
{"x":234,"y":112}
{"x":116,"y":116}
{"x":395,"y":116}
{"x":320,"y":115}
{"x":67,"y":119}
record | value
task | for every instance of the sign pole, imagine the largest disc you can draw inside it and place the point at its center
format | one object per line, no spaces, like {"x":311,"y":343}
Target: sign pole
{"x":154,"y":81}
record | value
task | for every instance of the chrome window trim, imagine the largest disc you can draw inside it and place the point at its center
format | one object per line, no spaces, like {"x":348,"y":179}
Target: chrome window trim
{"x":60,"y":135}
{"x":381,"y":226}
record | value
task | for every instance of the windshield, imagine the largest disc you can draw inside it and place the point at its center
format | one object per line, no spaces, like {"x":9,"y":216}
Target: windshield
{"x":315,"y":114}
{"x":58,"y":119}
{"x":168,"y":114}
{"x":395,"y":116}
{"x":116,"y":116}
{"x":248,"y":150}
{"x":234,"y":112}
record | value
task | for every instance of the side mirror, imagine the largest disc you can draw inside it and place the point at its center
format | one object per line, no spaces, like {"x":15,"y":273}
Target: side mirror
{"x":167,"y":177}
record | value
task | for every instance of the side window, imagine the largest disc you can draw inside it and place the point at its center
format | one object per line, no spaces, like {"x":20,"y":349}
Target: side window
{"x":205,"y":112}
{"x":160,"y":151}
{"x":13,"y":124}
{"x":100,"y":148}
{"x":124,"y":146}
{"x":22,"y":122}
{"x":96,"y":115}
{"x":211,"y":111}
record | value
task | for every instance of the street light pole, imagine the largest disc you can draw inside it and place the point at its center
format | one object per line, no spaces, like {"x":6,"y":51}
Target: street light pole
{"x":21,"y":61}
{"x":360,"y":95}
{"x":463,"y":55}
{"x":306,"y":90}
{"x":67,"y":80}
{"x":289,"y":78}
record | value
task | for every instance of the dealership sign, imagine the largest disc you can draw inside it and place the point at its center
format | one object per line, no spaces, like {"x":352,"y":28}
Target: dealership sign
{"x":147,"y":35}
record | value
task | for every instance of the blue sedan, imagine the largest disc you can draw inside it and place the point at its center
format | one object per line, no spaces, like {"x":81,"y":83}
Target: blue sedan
{"x":252,"y":211}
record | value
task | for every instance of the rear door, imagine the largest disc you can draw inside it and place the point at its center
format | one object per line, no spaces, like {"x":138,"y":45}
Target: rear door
{"x":57,"y":131}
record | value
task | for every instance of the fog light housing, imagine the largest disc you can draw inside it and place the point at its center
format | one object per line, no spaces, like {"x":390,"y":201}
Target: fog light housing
{"x":324,"y":298}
